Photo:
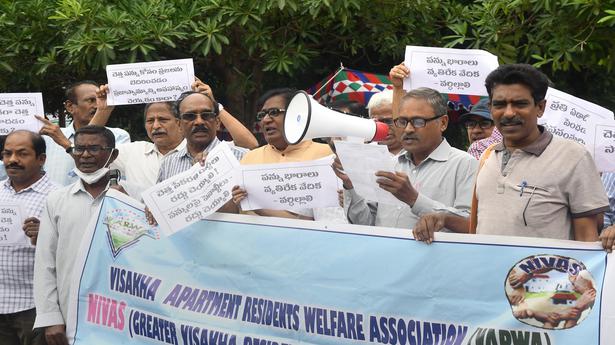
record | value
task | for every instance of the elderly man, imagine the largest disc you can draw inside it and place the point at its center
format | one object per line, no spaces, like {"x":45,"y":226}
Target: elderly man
{"x":82,"y":104}
{"x":199,"y":117}
{"x":532,"y":184}
{"x":430,"y":174}
{"x":139,"y":162}
{"x":380,"y":108}
{"x":61,"y":230}
{"x":27,"y":185}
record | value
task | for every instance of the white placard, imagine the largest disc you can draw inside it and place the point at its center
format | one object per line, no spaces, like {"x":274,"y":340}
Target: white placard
{"x":148,"y":82}
{"x":361,"y":162}
{"x":447,"y":70}
{"x":289,"y":186}
{"x":573,"y":118}
{"x":17,"y":111}
{"x":11,"y":225}
{"x":194,"y":194}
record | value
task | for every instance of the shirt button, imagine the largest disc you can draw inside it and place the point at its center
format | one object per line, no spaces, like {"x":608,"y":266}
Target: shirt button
{"x":414,"y":171}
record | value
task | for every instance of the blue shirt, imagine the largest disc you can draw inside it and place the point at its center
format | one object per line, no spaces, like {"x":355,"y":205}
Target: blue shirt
{"x":608,"y":180}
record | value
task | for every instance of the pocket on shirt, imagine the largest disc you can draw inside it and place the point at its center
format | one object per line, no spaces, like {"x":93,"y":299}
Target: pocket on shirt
{"x":536,"y":204}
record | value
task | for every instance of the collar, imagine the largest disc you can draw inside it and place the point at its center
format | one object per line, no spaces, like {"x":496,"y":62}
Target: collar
{"x":441,"y":153}
{"x":291,"y":148}
{"x":185,"y":153}
{"x":149,"y":149}
{"x":79,"y":187}
{"x":537,"y":147}
{"x":69,"y":131}
{"x":40,"y":186}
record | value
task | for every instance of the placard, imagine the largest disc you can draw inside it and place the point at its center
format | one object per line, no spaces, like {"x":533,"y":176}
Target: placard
{"x":194,"y":194}
{"x":17,"y":111}
{"x":289,"y":186}
{"x":447,"y":70}
{"x":149,"y":82}
{"x":11,"y":225}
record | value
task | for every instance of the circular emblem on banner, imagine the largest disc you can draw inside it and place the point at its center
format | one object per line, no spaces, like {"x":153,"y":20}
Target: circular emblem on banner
{"x":550,"y":291}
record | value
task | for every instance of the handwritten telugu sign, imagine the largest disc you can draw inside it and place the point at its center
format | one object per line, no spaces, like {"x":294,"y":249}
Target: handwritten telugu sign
{"x":148,"y":82}
{"x":576,"y":119}
{"x":447,"y":70}
{"x":17,"y":111}
{"x":288,"y":186}
{"x":194,"y":194}
{"x":11,"y":225}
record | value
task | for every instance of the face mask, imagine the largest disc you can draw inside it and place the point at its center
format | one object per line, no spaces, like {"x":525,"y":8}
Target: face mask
{"x":93,"y":177}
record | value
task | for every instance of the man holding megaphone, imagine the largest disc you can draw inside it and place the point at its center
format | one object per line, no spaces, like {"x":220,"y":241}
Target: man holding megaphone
{"x":430,"y":174}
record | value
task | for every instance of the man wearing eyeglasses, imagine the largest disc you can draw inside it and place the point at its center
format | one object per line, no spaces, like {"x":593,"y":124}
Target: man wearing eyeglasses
{"x":199,"y":119}
{"x":430,"y":174}
{"x":532,"y":184}
{"x":66,"y":212}
{"x":478,"y":121}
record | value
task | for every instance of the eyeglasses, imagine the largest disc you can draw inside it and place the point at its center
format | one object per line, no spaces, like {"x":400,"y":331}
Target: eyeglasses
{"x":484,"y":124}
{"x":93,"y":149}
{"x":417,"y":122}
{"x":205,"y":116}
{"x":272,"y":112}
{"x":387,"y":121}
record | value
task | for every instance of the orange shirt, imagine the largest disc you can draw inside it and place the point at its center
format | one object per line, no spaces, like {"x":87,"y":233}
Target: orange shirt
{"x":304,"y":151}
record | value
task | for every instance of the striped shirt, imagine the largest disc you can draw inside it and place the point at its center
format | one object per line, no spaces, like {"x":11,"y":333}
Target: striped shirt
{"x":17,"y":261}
{"x":608,"y":180}
{"x":182,"y":160}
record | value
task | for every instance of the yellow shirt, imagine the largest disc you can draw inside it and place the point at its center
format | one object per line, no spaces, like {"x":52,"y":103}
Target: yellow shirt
{"x":304,"y":151}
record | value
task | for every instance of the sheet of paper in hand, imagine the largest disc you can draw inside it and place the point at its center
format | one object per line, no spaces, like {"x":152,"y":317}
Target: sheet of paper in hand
{"x":361,"y":162}
{"x":289,"y":186}
{"x":589,"y":124}
{"x":17,"y":111}
{"x":11,"y":225}
{"x":448,"y":70}
{"x":194,"y":194}
{"x":149,"y":82}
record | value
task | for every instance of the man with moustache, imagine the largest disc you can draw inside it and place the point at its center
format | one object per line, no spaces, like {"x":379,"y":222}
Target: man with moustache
{"x":66,"y":212}
{"x":532,"y":184}
{"x":81,"y":103}
{"x":430,"y":174}
{"x":199,"y":117}
{"x":28,"y":186}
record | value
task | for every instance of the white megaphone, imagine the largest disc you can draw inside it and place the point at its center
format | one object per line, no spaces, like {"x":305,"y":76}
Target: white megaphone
{"x":306,"y":119}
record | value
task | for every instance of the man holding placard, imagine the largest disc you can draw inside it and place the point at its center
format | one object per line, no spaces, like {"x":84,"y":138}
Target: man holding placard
{"x":82,"y":104}
{"x":430,"y":174}
{"x":532,"y":184}
{"x":61,"y":230}
{"x":25,"y":192}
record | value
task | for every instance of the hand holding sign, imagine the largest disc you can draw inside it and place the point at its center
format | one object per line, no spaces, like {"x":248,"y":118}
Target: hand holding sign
{"x":17,"y":111}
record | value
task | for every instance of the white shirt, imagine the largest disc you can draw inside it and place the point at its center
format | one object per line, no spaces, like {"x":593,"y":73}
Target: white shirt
{"x":139,"y":163}
{"x":67,"y":212}
{"x":59,"y":165}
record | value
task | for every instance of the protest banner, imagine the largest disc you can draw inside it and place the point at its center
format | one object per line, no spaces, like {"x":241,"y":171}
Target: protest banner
{"x":288,"y":186}
{"x":194,"y":194}
{"x":149,"y":82}
{"x":11,"y":225}
{"x":17,"y":111}
{"x":361,"y":162}
{"x":448,"y":70}
{"x":576,"y":119}
{"x":236,"y":279}
{"x":604,"y":151}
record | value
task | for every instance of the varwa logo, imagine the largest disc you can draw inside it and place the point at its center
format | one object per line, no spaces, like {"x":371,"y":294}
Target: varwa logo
{"x":550,"y":291}
{"x":125,"y":227}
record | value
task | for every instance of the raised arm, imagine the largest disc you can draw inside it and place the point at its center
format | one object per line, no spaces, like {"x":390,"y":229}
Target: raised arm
{"x":103,"y":111}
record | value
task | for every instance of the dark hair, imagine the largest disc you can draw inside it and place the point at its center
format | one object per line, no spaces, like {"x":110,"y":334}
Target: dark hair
{"x":2,"y":139}
{"x":148,"y":105}
{"x":185,"y":94}
{"x":70,"y":90}
{"x":354,"y":107}
{"x":38,"y":143}
{"x":97,"y":130}
{"x":286,"y":93}
{"x":524,"y":74}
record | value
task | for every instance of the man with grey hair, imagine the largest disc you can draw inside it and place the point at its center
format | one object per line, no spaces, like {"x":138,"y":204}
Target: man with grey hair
{"x":429,"y":175}
{"x":380,"y":108}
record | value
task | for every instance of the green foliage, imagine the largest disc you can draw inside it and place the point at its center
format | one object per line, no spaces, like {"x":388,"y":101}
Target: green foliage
{"x":244,"y":46}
